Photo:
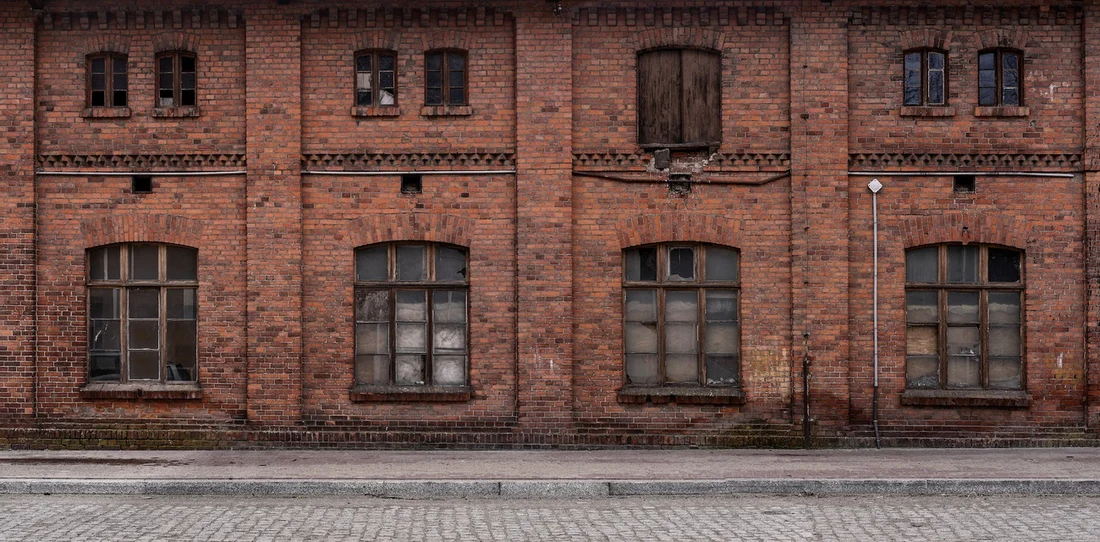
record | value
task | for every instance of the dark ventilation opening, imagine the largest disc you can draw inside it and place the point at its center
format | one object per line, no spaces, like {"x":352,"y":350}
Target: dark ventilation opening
{"x":141,"y":184}
{"x":412,"y":183}
{"x":965,"y":183}
{"x":679,"y":184}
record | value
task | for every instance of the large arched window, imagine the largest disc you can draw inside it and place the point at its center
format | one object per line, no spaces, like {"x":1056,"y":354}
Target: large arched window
{"x":679,"y":98}
{"x":925,"y":77}
{"x":108,"y":83}
{"x":142,"y":313}
{"x":445,"y":77}
{"x":375,"y":78}
{"x":681,"y":321}
{"x":1000,"y":77}
{"x":964,"y":316}
{"x":411,"y":314}
{"x":176,"y":79}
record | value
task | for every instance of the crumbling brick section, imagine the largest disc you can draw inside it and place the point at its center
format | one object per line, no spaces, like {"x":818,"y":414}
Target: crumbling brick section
{"x":17,"y":213}
{"x":274,"y":217}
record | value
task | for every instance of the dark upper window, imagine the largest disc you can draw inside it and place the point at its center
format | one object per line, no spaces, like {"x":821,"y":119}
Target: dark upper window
{"x":445,"y":78}
{"x":999,"y":81}
{"x":107,"y":80}
{"x":964,"y":317}
{"x":925,"y":77}
{"x":375,"y":78}
{"x":681,"y":322}
{"x":680,"y":98}
{"x":410,"y":314}
{"x":142,"y":313}
{"x":176,"y":79}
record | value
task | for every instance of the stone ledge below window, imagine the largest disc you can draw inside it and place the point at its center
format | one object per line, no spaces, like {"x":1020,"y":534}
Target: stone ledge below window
{"x":411,"y":394}
{"x":926,"y":111}
{"x":175,"y":112}
{"x":683,"y":396}
{"x":101,"y":390}
{"x":966,"y":398}
{"x":105,"y":112}
{"x":446,"y":111}
{"x":375,"y":111}
{"x":1001,"y":111}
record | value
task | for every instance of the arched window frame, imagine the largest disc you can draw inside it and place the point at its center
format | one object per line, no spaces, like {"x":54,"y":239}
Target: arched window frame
{"x":651,"y":274}
{"x":373,"y":83}
{"x":142,"y":304}
{"x":932,"y":76}
{"x":113,"y":89}
{"x":176,"y":79}
{"x":995,"y":85}
{"x":942,"y":282}
{"x":449,"y":93}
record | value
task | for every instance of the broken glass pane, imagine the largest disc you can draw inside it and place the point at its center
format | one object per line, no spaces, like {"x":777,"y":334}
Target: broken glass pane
{"x":681,"y":263}
{"x":450,"y":264}
{"x":641,"y":264}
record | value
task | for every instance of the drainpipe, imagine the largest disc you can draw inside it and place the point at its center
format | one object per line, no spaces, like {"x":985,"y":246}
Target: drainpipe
{"x":807,"y":436}
{"x":875,"y":186}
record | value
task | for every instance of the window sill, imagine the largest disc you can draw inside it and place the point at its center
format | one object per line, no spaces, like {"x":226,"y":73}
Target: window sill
{"x":1001,"y":111}
{"x":105,"y":112}
{"x":446,"y":111}
{"x":153,"y":391}
{"x":966,"y":398}
{"x":926,"y":111}
{"x":175,"y":112}
{"x":695,"y":146}
{"x":410,"y":394}
{"x":375,"y":111}
{"x":682,"y":395}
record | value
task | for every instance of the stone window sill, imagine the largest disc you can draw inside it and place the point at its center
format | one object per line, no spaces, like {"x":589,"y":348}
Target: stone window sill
{"x":1001,"y":111}
{"x":105,"y":112}
{"x":411,"y":394}
{"x":376,"y":111}
{"x":927,"y":111}
{"x":966,"y":398}
{"x":175,"y":112}
{"x":682,"y":395}
{"x":446,"y":111}
{"x":152,"y":391}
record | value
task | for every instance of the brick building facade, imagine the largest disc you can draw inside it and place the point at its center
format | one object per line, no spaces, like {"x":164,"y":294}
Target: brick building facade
{"x":272,"y":223}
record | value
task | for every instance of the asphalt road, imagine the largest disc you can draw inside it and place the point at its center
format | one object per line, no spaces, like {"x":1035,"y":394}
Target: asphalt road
{"x":161,"y":518}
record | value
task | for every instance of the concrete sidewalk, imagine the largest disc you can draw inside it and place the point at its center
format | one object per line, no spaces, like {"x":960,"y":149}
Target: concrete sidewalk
{"x":428,"y":474}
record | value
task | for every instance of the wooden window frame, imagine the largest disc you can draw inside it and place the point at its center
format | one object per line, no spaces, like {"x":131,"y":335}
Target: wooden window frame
{"x":109,"y":59}
{"x":924,"y":77}
{"x":177,"y":78}
{"x":998,"y":67}
{"x":376,"y":88}
{"x":445,"y":74}
{"x":983,"y":287}
{"x":682,"y":144}
{"x":429,"y":285}
{"x":701,"y":286}
{"x":124,"y":284}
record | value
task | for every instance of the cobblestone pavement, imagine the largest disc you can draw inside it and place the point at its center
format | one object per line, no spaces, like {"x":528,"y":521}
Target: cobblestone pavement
{"x":57,"y":517}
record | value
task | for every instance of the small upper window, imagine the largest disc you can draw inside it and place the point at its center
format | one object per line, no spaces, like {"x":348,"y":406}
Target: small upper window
{"x":445,"y":81}
{"x":680,"y":98}
{"x":107,"y":80}
{"x":176,"y":79}
{"x":375,"y":78}
{"x":999,"y":80}
{"x":925,"y":77}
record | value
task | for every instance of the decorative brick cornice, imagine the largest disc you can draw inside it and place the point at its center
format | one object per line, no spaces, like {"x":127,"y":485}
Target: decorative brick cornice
{"x":438,"y":228}
{"x":130,"y":228}
{"x":949,"y":162}
{"x":965,"y":227}
{"x":141,"y":162}
{"x":658,"y":228}
{"x":195,"y":18}
{"x":405,"y":17}
{"x":416,"y":160}
{"x":634,"y":161}
{"x":680,"y":17}
{"x":968,"y":15}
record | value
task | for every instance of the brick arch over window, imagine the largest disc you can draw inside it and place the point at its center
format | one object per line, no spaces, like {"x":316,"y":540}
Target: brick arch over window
{"x":927,"y":38}
{"x":159,"y":228}
{"x":411,"y":227}
{"x":176,"y":41}
{"x":658,"y":38}
{"x":106,"y":43}
{"x":966,"y":227}
{"x":377,"y":40}
{"x":448,"y":39}
{"x":1003,"y":38}
{"x":648,"y":229}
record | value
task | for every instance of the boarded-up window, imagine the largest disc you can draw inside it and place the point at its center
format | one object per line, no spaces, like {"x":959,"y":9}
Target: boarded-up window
{"x":680,"y":98}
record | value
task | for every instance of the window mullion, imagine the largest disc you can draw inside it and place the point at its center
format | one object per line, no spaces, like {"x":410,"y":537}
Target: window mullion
{"x":700,"y":334}
{"x":661,"y":336}
{"x":393,"y":336}
{"x":983,"y":338}
{"x":941,"y":300}
{"x":162,"y":354}
{"x":429,"y":340}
